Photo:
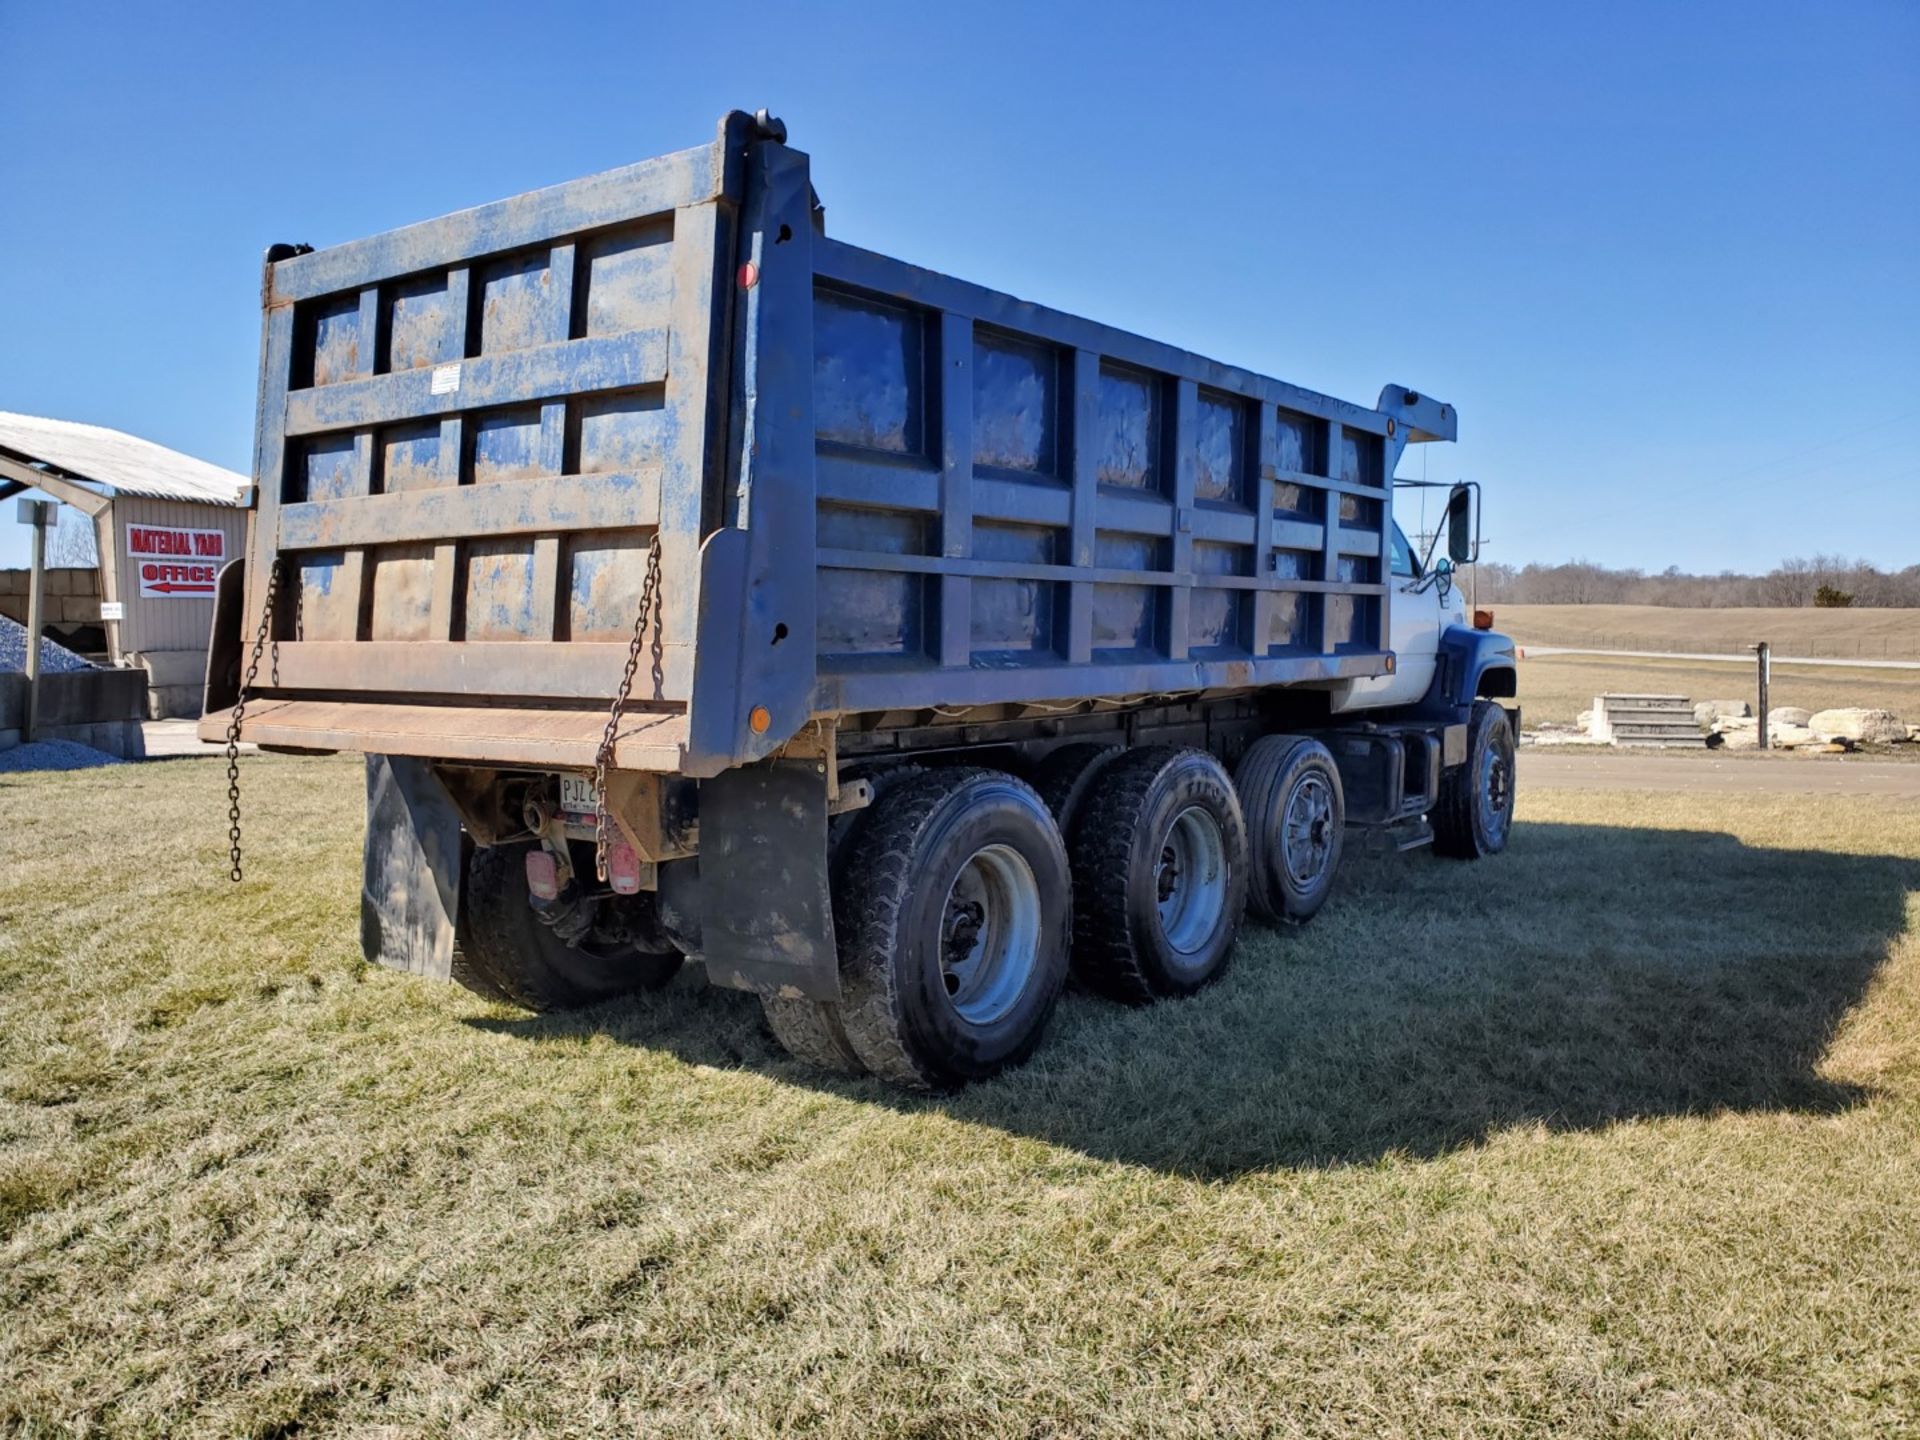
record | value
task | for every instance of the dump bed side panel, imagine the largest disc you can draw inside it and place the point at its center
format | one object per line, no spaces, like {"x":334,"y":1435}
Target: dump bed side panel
{"x":471,"y":430}
{"x":1019,"y":504}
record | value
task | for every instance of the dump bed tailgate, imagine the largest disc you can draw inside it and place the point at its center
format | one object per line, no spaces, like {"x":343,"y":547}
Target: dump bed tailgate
{"x":470,"y":432}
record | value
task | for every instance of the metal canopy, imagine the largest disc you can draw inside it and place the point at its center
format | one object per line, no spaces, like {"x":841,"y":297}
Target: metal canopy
{"x":120,"y":463}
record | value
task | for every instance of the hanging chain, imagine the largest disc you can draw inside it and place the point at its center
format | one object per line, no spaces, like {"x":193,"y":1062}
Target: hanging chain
{"x":233,"y":723}
{"x":649,"y":601}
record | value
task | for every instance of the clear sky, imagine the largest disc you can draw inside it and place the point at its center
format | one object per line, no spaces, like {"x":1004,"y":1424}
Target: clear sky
{"x":1662,"y":258}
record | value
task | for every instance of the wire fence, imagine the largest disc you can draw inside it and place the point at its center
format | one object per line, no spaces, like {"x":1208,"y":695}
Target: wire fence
{"x":1870,"y":647}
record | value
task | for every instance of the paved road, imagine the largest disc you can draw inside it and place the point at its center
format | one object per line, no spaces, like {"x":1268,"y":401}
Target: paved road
{"x":1717,"y":775}
{"x":1746,"y":659}
{"x":174,"y":739}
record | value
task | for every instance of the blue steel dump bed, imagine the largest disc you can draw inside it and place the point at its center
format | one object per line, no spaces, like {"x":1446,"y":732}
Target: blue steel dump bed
{"x":873,"y":487}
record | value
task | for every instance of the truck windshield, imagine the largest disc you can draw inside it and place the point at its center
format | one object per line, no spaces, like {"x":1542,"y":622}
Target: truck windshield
{"x":1402,"y":554}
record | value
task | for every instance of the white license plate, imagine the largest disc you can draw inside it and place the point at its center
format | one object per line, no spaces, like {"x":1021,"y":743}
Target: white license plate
{"x":576,"y":794}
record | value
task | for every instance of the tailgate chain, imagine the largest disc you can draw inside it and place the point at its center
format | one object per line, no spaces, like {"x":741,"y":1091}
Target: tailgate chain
{"x":649,"y":602}
{"x":233,"y":723}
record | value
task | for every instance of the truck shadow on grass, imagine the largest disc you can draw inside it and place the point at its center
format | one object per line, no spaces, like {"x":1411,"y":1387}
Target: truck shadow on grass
{"x":1591,"y":975}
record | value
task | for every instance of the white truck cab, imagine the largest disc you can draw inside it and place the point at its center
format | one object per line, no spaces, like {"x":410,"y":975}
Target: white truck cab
{"x":1421,"y":608}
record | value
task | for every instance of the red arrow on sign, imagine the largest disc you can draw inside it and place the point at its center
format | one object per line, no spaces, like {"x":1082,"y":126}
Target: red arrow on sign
{"x":167,"y":587}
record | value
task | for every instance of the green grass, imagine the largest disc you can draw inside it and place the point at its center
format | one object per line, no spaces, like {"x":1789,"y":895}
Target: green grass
{"x":1616,"y":1135}
{"x":1559,"y":687}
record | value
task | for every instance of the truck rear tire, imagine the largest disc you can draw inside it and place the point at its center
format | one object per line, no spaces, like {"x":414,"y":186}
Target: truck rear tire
{"x":1067,"y":775}
{"x":953,"y":911}
{"x":812,"y":1031}
{"x":506,"y":954}
{"x":1296,"y":819}
{"x":1159,"y":875}
{"x":1475,"y":813}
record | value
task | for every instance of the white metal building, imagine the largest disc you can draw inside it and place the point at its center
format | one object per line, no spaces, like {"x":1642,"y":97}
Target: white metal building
{"x":164,"y":523}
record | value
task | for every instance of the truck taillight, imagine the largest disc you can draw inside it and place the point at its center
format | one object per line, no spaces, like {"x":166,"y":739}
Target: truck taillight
{"x":623,"y":869}
{"x":543,"y":876}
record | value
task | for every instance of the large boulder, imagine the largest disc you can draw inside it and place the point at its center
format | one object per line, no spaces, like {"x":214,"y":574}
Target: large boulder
{"x":1789,"y":715}
{"x":1740,"y":739}
{"x":1874,"y":727}
{"x":1792,"y":737}
{"x":1708,"y":711}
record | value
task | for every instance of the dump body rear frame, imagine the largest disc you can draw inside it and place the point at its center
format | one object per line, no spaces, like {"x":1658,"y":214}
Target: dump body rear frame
{"x":469,"y":428}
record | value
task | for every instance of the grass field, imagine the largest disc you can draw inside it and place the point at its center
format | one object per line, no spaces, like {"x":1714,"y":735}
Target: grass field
{"x":1616,"y":1135}
{"x":1837,"y":634}
{"x":1559,"y":687}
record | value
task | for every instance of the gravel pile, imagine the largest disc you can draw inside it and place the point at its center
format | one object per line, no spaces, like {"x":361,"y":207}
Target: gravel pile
{"x":53,"y":658}
{"x":54,"y":755}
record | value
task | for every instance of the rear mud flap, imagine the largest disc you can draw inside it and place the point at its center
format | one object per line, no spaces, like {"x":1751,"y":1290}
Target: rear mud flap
{"x":766,"y":915}
{"x":410,"y":886}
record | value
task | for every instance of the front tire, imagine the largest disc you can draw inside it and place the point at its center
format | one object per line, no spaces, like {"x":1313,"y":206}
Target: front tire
{"x":505,"y":954}
{"x":1475,"y":813}
{"x":1159,"y":875}
{"x":953,"y":911}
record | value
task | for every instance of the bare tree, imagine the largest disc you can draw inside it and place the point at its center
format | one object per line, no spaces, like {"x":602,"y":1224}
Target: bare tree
{"x":71,"y":546}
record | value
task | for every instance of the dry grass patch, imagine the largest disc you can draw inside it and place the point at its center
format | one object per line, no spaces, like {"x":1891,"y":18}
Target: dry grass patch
{"x":1866,"y":634}
{"x":1618,"y":1134}
{"x":1559,"y":687}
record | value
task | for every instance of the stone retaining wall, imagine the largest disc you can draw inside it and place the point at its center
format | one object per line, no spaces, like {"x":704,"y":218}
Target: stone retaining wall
{"x":72,"y":596}
{"x":101,"y":708}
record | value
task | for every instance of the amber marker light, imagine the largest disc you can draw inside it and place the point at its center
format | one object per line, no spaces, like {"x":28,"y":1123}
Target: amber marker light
{"x":760,"y":718}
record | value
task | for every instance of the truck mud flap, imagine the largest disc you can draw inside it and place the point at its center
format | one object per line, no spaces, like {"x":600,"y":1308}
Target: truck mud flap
{"x":766,"y":915}
{"x":410,"y":885}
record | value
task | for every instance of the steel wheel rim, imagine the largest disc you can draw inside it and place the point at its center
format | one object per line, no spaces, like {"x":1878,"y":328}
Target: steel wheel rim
{"x":1307,"y":831}
{"x":1496,"y":792}
{"x":1190,"y":880}
{"x":989,"y":934}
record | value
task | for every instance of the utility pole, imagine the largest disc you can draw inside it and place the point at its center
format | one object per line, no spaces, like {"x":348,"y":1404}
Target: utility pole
{"x":41,"y":515}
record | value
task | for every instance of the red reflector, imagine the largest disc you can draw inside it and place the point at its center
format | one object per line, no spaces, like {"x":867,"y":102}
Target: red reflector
{"x":623,"y":869}
{"x":749,"y":275}
{"x":543,"y":876}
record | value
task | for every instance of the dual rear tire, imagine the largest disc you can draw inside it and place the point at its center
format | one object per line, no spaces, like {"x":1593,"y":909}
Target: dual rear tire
{"x":963,"y":896}
{"x":506,"y":954}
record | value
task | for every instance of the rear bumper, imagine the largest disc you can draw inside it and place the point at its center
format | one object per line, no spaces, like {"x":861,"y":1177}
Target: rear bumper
{"x":503,"y":735}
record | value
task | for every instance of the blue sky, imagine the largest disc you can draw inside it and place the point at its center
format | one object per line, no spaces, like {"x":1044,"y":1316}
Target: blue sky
{"x":1660,"y":257}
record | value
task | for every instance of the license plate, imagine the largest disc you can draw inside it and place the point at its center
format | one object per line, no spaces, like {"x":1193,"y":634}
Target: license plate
{"x":576,"y":794}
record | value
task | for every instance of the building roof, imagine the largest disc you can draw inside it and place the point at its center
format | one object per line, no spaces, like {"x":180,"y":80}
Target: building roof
{"x":123,"y":464}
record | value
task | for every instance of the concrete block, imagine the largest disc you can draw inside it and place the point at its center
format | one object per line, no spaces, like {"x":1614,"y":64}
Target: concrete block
{"x":173,"y":667}
{"x":58,"y":582}
{"x":173,"y":702}
{"x":13,"y":700}
{"x":13,"y":582}
{"x":83,"y":696}
{"x":123,"y":738}
{"x":80,"y":610}
{"x":14,"y":607}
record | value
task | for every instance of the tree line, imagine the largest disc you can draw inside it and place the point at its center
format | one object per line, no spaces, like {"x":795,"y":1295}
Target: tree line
{"x":1806,"y":581}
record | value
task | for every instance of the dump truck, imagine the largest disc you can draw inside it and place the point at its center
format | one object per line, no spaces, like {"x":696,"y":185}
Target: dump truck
{"x":701,"y":587}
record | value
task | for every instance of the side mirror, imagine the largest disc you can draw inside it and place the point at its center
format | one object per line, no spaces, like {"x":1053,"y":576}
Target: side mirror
{"x":1460,"y":525}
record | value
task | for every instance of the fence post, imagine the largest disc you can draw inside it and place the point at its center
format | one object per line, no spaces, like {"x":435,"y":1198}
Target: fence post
{"x":1763,"y":665}
{"x":39,"y":514}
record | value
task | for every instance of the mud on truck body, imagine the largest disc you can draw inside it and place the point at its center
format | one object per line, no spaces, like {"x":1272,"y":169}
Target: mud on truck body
{"x":703,"y":587}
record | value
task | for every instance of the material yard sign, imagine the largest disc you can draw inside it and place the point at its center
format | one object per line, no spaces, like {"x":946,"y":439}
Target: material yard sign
{"x":176,"y":564}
